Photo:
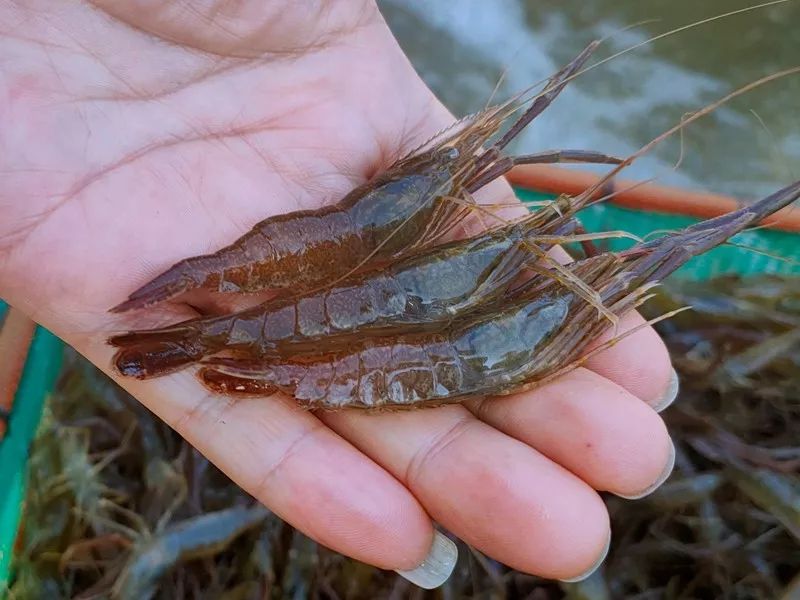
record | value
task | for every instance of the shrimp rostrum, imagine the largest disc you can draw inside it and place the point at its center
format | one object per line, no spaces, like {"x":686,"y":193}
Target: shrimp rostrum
{"x":409,"y":206}
{"x":542,"y":333}
{"x":422,"y":290}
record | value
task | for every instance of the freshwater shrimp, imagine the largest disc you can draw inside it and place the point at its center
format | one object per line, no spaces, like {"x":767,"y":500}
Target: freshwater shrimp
{"x":203,"y":536}
{"x":409,"y":206}
{"x":541,"y":335}
{"x":421,"y":290}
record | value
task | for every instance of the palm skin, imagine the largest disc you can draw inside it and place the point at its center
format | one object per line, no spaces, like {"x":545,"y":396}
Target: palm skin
{"x":135,"y":134}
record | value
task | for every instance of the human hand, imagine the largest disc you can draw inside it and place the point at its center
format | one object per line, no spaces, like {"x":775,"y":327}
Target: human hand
{"x":135,"y":134}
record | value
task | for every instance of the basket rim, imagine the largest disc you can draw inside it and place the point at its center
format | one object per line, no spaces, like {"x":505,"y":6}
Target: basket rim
{"x":648,"y":197}
{"x":42,"y":363}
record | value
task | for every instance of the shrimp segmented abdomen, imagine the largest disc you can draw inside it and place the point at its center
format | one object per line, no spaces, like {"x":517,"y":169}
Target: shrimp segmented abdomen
{"x":403,"y":371}
{"x":284,"y":252}
{"x":400,"y":374}
{"x":378,"y":298}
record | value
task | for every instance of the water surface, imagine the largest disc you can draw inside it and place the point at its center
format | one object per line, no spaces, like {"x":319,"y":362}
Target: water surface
{"x":745,"y":149}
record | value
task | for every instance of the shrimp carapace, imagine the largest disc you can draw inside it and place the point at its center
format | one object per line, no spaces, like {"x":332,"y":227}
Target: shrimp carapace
{"x":540,"y":334}
{"x":411,"y":205}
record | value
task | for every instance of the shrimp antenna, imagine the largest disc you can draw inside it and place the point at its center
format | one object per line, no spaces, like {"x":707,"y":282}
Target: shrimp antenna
{"x":496,"y":88}
{"x":683,"y":28}
{"x":784,"y":259}
{"x":664,"y":35}
{"x":598,"y":185}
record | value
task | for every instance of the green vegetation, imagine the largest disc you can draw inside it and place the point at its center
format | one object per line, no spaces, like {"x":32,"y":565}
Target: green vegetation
{"x":118,"y":505}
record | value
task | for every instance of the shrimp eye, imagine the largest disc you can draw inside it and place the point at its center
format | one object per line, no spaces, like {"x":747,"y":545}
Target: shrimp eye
{"x":452,"y":153}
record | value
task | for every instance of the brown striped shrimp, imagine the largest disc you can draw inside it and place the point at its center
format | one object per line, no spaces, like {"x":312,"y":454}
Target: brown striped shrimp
{"x":542,"y":333}
{"x":409,"y":206}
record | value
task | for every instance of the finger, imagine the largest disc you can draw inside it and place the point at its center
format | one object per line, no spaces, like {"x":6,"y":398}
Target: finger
{"x":492,"y":491}
{"x":639,"y":363}
{"x":290,"y":461}
{"x":604,"y":434}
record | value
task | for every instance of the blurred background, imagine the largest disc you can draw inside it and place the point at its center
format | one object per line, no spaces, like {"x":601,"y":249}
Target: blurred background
{"x":745,"y":149}
{"x":118,"y":506}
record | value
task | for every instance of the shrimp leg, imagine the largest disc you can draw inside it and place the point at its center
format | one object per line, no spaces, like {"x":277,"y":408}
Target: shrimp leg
{"x":554,"y":87}
{"x":505,"y":164}
{"x":443,"y":224}
{"x":229,"y":385}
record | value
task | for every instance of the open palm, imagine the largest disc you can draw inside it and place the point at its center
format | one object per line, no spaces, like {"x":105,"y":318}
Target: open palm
{"x":135,"y":134}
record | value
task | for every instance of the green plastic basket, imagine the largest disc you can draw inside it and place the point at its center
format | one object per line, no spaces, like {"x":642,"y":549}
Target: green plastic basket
{"x":38,"y":376}
{"x":758,"y":251}
{"x":44,"y":358}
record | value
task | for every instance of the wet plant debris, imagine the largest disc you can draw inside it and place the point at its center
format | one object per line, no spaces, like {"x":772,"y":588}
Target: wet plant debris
{"x":119,"y":506}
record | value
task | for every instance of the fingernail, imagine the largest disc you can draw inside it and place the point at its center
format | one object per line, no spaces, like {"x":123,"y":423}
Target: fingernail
{"x":661,"y":478}
{"x":437,"y":566}
{"x":670,"y":394}
{"x":586,"y":574}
